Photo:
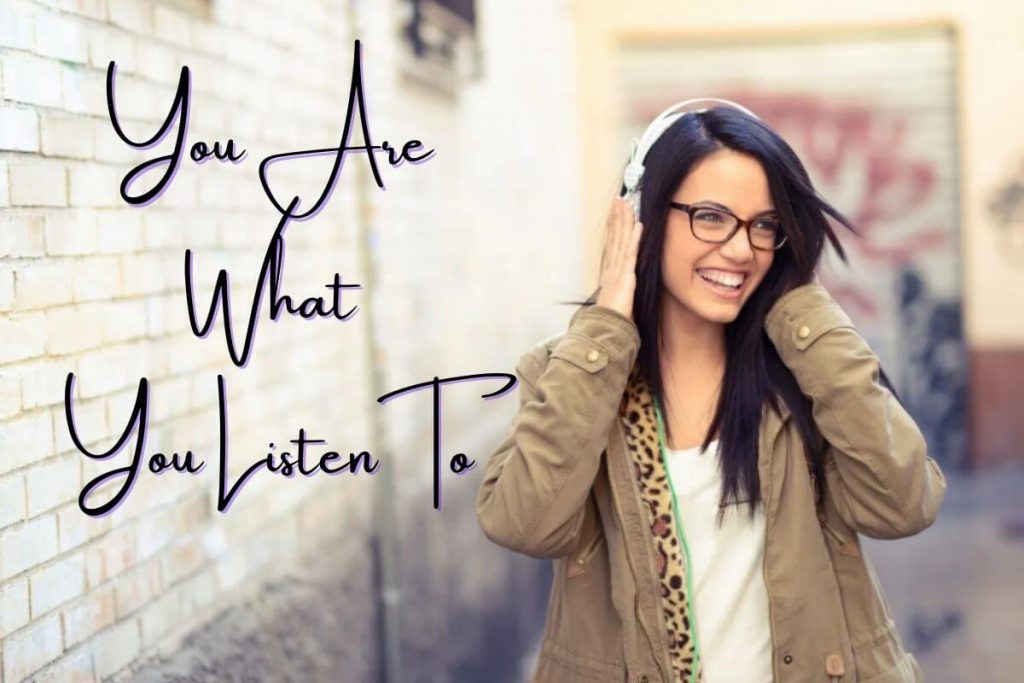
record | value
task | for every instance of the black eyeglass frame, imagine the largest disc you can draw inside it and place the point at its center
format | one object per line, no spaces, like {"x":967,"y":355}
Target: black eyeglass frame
{"x":740,"y":223}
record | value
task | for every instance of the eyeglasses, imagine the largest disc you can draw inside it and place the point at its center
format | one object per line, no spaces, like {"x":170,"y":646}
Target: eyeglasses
{"x":718,"y":226}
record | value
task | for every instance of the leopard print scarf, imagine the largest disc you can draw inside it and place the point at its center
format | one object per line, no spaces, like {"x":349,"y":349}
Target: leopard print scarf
{"x":641,"y":428}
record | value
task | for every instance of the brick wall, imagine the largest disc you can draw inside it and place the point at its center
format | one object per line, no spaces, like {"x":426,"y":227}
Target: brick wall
{"x":471,"y":247}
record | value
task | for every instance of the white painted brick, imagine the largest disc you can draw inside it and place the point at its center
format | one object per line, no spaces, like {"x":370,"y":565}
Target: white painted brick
{"x":27,"y":545}
{"x":115,"y":648}
{"x":53,"y":482}
{"x":120,"y":231}
{"x":89,"y":616}
{"x":6,"y":292}
{"x":37,"y":183}
{"x":164,"y":314}
{"x":12,"y":499}
{"x":31,"y":80}
{"x":25,"y":439}
{"x":16,"y":20}
{"x":183,"y":559}
{"x":19,"y":129}
{"x":163,"y":229}
{"x":97,"y":277}
{"x":168,"y":397}
{"x":74,"y":527}
{"x":67,"y":136}
{"x":71,"y":329}
{"x":159,"y":63}
{"x":83,"y":90}
{"x":103,"y":371}
{"x":22,"y":336}
{"x":138,"y":99}
{"x":112,"y":149}
{"x":21,"y":235}
{"x":124,"y":320}
{"x":107,"y":43}
{"x":162,"y":615}
{"x":131,"y":14}
{"x":5,"y":184}
{"x":75,"y":667}
{"x":42,"y":382}
{"x":93,"y":9}
{"x":153,"y":532}
{"x":40,"y":284}
{"x":143,"y":273}
{"x":94,"y":185}
{"x":90,"y":421}
{"x":57,"y":583}
{"x":32,"y":649}
{"x":135,"y":588}
{"x":13,"y":606}
{"x":172,"y":25}
{"x":71,"y":232}
{"x":110,"y":556}
{"x":10,"y":395}
{"x":60,"y":38}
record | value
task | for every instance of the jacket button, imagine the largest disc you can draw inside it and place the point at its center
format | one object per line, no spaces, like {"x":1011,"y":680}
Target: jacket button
{"x":642,"y":678}
{"x":593,"y":355}
{"x":834,"y":665}
{"x":788,"y":659}
{"x":803,"y":332}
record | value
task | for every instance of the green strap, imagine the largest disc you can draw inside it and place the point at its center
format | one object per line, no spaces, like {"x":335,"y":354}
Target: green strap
{"x":686,"y":549}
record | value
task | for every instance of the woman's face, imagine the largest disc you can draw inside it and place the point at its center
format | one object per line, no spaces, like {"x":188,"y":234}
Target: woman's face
{"x":736,"y":181}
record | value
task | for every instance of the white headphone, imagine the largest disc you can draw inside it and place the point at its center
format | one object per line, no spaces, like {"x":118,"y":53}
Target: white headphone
{"x":635,"y":168}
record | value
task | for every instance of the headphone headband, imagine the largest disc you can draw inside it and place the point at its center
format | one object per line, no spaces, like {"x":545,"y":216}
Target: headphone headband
{"x":635,"y":168}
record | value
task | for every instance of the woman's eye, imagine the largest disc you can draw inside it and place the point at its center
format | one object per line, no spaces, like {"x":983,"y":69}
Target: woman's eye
{"x":708,"y":216}
{"x":767,"y":226}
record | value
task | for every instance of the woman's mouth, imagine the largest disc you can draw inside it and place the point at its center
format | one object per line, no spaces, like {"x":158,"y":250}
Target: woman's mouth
{"x":726,"y":285}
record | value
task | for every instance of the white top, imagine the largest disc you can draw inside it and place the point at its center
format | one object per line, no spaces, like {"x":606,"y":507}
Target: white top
{"x":729,"y":595}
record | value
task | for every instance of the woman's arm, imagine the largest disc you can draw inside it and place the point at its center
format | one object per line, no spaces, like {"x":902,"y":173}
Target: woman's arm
{"x":877,"y":467}
{"x":538,"y":478}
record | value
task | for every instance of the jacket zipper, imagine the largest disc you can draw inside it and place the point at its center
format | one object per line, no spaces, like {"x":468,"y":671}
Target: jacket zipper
{"x":632,"y":566}
{"x":766,"y":499}
{"x":686,"y":549}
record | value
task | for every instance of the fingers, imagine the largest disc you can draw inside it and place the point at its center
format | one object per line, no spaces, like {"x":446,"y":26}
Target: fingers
{"x":621,"y":228}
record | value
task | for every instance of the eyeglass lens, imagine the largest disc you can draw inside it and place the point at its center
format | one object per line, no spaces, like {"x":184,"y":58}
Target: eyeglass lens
{"x":715,"y":226}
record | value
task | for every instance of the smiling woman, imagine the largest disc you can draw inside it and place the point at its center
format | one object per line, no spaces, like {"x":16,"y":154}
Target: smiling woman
{"x":709,"y":337}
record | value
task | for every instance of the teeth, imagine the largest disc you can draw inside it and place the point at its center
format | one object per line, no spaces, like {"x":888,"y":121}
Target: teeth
{"x":730,"y":280}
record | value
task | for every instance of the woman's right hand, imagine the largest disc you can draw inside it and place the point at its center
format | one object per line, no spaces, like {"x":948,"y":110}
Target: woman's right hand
{"x":618,"y":260}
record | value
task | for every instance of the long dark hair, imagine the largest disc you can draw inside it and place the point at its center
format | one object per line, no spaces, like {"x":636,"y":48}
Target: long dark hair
{"x":754,"y":373}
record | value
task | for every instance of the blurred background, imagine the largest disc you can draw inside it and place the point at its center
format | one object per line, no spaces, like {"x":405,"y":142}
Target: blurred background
{"x":906,"y":116}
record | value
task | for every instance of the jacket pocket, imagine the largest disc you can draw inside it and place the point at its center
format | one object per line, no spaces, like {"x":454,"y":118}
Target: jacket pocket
{"x":557,"y":663}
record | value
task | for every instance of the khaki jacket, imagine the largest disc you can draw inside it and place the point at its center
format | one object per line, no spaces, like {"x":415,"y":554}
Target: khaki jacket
{"x":559,"y":486}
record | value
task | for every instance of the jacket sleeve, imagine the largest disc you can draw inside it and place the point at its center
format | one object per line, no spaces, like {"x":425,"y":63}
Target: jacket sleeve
{"x":877,"y":468}
{"x":532,"y":499}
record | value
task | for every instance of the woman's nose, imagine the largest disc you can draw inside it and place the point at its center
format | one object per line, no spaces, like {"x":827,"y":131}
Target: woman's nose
{"x":738,"y":248}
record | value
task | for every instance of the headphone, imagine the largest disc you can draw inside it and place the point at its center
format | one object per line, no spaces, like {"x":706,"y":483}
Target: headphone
{"x":635,"y":168}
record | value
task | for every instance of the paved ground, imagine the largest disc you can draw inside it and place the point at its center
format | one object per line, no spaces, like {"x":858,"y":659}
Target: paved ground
{"x":957,"y":590}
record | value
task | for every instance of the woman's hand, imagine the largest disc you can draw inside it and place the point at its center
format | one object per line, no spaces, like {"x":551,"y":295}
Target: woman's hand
{"x":618,"y":260}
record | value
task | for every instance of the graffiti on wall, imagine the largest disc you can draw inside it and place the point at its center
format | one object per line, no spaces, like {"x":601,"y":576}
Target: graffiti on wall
{"x":1006,"y":210}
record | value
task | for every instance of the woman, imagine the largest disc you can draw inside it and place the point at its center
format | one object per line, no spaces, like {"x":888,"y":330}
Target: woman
{"x":711,"y":361}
